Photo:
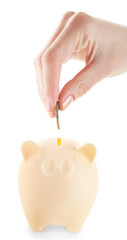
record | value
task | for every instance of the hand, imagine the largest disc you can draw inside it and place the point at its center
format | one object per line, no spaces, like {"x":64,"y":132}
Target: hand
{"x":100,"y":44}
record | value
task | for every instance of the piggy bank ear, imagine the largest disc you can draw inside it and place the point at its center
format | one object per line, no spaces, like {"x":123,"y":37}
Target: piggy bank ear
{"x":89,"y":150}
{"x":29,"y":148}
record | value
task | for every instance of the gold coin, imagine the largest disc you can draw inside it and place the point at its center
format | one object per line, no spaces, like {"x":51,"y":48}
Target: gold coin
{"x":59,"y":142}
{"x":57,"y":115}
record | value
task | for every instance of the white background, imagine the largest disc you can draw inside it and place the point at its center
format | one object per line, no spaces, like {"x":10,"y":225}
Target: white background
{"x":100,"y":117}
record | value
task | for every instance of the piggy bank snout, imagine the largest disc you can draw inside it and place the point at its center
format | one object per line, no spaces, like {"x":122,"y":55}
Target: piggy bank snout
{"x":58,"y":167}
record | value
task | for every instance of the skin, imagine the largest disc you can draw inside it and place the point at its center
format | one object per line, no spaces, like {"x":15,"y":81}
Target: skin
{"x":100,"y":44}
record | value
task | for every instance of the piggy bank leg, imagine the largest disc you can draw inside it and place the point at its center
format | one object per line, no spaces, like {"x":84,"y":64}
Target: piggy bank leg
{"x":36,"y":224}
{"x":74,"y":225}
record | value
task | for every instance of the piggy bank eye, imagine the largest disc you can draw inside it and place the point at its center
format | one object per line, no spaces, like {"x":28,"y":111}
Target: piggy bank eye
{"x":39,"y":157}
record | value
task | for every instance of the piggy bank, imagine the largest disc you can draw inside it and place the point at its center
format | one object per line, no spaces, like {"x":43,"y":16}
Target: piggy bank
{"x":57,"y":184}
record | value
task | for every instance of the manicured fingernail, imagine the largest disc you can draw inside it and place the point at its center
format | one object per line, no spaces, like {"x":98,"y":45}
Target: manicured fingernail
{"x":67,"y":101}
{"x":52,"y":114}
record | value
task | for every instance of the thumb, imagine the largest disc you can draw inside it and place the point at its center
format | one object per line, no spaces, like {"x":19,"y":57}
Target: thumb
{"x":80,"y":84}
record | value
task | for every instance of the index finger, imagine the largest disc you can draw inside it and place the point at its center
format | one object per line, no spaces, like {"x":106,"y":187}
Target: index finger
{"x":38,"y":59}
{"x":60,"y":50}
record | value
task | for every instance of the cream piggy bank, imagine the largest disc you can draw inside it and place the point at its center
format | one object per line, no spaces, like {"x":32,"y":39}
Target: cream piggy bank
{"x":57,"y":184}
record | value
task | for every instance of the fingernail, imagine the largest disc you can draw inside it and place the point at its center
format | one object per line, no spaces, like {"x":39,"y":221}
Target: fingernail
{"x":52,"y":114}
{"x":67,"y":101}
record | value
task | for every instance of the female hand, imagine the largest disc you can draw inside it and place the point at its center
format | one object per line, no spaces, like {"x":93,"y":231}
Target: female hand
{"x":100,"y":44}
